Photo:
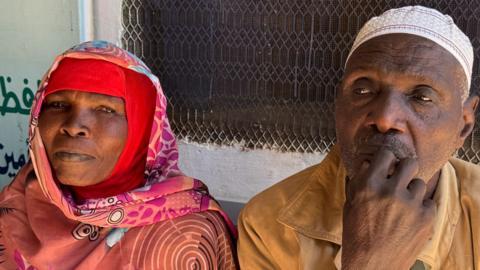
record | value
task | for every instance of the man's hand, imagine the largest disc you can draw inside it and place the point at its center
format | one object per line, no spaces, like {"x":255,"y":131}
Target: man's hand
{"x":386,"y":220}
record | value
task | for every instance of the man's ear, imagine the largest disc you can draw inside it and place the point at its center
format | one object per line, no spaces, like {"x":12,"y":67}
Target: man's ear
{"x":469,"y":108}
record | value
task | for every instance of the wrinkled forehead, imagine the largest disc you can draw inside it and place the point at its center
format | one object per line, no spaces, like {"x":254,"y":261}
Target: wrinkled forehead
{"x":407,"y":55}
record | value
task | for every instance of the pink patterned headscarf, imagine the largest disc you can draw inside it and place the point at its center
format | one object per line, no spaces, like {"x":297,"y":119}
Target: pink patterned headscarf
{"x":167,"y":193}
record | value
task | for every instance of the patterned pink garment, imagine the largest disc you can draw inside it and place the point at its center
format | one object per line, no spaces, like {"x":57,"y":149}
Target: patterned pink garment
{"x":43,"y":227}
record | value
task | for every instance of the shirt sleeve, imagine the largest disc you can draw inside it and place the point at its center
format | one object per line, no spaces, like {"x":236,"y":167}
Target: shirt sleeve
{"x":252,"y":251}
{"x":216,"y":244}
{"x":3,"y":255}
{"x":11,"y":197}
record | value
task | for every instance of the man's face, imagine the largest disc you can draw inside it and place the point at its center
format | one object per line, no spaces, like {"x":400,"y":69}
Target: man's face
{"x":402,"y":92}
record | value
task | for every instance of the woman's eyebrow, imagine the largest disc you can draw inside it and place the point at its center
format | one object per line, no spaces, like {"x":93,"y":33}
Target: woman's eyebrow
{"x":106,"y":98}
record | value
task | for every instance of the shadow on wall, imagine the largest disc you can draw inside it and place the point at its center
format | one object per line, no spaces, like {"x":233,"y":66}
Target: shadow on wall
{"x":232,"y":209}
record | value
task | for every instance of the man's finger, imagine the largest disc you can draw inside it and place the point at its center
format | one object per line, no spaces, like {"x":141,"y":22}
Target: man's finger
{"x":417,"y":188}
{"x":405,"y":171}
{"x":381,"y":163}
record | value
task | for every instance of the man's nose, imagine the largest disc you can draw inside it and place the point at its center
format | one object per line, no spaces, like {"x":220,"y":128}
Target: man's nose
{"x":387,"y":114}
{"x":77,"y":124}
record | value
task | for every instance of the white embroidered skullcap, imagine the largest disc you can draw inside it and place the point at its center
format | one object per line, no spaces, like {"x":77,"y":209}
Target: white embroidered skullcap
{"x":424,"y":22}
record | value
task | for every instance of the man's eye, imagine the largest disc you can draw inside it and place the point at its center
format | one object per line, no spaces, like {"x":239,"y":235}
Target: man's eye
{"x":422,"y":98}
{"x":362,"y":91}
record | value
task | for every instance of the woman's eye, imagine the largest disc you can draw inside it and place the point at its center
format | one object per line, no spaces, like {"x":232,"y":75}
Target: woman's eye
{"x":106,"y":109}
{"x":362,"y":91}
{"x":56,"y":105}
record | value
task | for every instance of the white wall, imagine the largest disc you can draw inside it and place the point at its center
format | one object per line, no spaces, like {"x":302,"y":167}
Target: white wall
{"x":235,"y":173}
{"x":32,"y":33}
{"x":108,"y":20}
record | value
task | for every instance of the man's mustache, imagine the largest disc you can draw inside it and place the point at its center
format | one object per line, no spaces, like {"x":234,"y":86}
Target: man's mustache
{"x":370,"y":144}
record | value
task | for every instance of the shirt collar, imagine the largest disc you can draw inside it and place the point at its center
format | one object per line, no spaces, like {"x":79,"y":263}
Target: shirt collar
{"x":316,"y":210}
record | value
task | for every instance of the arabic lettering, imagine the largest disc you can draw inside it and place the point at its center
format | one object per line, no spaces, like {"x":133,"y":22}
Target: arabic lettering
{"x":27,"y":94}
{"x":12,"y":165}
{"x":11,"y":102}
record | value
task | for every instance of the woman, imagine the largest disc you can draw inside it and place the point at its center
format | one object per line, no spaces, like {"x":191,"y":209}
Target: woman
{"x":103,"y":189}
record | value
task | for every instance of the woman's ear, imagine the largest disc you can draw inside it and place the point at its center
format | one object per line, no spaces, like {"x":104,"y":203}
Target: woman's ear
{"x":469,"y":108}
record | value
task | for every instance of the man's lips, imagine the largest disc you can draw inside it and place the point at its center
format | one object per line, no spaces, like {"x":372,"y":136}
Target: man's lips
{"x":399,"y":153}
{"x":368,"y":152}
{"x":71,"y":156}
{"x":369,"y":146}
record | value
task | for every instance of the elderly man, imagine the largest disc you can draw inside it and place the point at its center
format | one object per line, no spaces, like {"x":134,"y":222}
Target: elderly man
{"x":389,"y":195}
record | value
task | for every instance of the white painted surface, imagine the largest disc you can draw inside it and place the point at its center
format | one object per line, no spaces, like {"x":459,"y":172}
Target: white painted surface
{"x":32,"y":33}
{"x":85,"y":19}
{"x":236,"y":174}
{"x":108,"y":20}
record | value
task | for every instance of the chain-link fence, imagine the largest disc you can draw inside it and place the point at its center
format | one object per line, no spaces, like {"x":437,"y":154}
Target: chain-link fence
{"x":262,"y":74}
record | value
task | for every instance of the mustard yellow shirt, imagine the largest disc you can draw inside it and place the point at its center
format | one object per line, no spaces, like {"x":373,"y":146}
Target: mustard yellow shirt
{"x":297,"y":223}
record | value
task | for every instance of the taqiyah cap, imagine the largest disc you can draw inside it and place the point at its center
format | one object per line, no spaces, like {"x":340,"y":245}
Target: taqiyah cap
{"x":425,"y":22}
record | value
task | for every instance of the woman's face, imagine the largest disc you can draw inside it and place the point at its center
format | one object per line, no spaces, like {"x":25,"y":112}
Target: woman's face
{"x":84,"y":135}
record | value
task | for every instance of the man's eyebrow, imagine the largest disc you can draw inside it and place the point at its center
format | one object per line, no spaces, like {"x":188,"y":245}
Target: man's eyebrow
{"x":419,"y":76}
{"x":367,"y":72}
{"x":362,"y":73}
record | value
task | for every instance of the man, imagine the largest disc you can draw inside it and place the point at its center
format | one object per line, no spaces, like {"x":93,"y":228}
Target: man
{"x":389,"y":195}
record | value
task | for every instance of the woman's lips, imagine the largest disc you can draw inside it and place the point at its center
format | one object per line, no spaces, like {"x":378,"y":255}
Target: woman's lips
{"x":72,"y":156}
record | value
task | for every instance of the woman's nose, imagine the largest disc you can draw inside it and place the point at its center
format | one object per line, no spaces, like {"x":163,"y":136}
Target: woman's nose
{"x":77,"y":123}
